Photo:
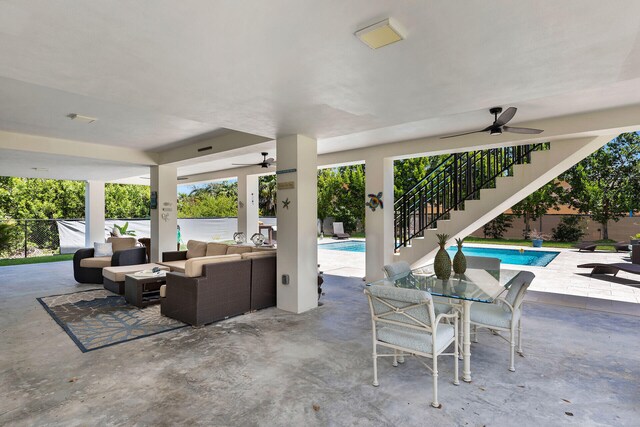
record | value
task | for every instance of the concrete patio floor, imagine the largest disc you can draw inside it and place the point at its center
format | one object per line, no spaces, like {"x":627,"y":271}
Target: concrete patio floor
{"x":271,"y":368}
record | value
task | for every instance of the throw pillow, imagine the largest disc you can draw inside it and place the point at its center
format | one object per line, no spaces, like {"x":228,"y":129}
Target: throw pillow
{"x":102,"y":249}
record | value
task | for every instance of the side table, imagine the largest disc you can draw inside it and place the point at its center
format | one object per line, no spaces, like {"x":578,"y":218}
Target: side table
{"x":143,"y":291}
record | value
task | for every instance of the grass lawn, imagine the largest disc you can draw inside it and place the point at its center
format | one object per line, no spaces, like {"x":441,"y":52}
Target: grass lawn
{"x":35,"y":260}
{"x":603,"y":245}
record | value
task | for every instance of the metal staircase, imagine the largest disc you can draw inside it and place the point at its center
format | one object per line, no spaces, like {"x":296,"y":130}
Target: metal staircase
{"x":457,"y":179}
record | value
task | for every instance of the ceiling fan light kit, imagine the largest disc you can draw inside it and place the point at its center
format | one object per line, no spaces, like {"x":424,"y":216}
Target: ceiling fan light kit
{"x":500,"y":124}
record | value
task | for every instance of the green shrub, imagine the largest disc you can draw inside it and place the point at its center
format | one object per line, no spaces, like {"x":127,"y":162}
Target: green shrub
{"x":495,"y":229}
{"x":569,"y":229}
{"x":9,"y":235}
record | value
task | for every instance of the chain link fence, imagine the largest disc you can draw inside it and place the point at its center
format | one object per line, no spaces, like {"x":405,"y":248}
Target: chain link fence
{"x":22,"y":238}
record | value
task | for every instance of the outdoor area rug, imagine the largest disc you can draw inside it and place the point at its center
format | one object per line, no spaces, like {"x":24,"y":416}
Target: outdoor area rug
{"x":98,"y":318}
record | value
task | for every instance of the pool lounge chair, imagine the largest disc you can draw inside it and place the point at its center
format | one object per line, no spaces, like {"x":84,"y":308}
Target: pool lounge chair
{"x":338,"y":231}
{"x":614,"y":268}
{"x":622,"y":247}
{"x":585,"y":246}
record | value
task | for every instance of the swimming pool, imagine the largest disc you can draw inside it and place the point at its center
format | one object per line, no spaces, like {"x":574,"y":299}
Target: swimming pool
{"x":507,"y":256}
{"x":348,"y":246}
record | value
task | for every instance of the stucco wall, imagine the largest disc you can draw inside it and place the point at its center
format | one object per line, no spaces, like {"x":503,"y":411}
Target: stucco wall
{"x":619,"y":231}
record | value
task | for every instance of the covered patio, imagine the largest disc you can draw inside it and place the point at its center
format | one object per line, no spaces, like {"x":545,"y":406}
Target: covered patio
{"x":277,"y":368}
{"x":186,"y":93}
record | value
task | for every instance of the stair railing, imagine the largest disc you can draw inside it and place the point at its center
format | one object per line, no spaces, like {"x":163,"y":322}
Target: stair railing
{"x":459,"y":177}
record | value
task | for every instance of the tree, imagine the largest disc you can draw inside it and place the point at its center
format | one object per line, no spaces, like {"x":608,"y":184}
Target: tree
{"x":408,"y":172}
{"x":328,"y":184}
{"x":207,"y":205}
{"x":126,"y":201}
{"x":497,"y":227}
{"x":537,"y":204}
{"x":267,"y":201}
{"x":606,"y":184}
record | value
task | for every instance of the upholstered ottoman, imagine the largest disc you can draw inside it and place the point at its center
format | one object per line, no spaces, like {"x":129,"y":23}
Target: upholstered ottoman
{"x":114,"y":276}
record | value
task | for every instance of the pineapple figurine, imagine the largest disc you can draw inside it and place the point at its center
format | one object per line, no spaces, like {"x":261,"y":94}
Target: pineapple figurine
{"x":459,"y":260}
{"x":442,"y":263}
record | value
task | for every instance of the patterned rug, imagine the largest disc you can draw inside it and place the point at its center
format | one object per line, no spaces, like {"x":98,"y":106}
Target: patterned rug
{"x":98,"y":318}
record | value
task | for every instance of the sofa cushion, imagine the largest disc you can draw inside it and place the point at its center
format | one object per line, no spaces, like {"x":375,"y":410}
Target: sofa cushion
{"x":196,"y":248}
{"x":175,"y":265}
{"x":193,"y":267}
{"x":238,"y":249}
{"x":102,"y":249}
{"x":261,"y":254}
{"x":262,"y":249}
{"x":214,"y":248}
{"x":122,"y":243}
{"x":96,"y":262}
{"x":116,"y":274}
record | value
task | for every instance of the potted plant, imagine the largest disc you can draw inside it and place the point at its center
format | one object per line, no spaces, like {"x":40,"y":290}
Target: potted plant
{"x":537,"y":238}
{"x":635,"y":240}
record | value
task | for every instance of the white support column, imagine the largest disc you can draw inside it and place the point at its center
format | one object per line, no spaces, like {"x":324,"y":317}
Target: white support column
{"x":164,"y":222}
{"x":93,"y":213}
{"x":297,"y":224}
{"x":248,"y":204}
{"x":379,"y":223}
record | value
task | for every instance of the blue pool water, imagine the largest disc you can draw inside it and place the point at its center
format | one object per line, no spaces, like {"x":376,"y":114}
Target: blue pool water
{"x":350,"y":246}
{"x":509,"y":256}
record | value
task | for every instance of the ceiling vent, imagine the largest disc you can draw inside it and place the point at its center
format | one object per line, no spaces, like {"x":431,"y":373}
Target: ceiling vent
{"x":381,"y":34}
{"x":82,"y":119}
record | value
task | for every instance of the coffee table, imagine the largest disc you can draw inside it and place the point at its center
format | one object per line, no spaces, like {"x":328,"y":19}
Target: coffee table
{"x":143,"y":291}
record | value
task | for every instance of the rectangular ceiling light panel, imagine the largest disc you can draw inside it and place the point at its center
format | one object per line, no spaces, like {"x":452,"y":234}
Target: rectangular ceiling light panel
{"x":381,"y":34}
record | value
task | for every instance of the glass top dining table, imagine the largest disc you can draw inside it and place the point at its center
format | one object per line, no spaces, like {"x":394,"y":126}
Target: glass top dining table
{"x":475,"y":285}
{"x":479,"y":285}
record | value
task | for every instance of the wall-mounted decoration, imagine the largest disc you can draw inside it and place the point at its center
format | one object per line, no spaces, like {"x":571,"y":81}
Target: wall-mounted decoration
{"x":154,"y":200}
{"x":241,"y":204}
{"x":280,"y":172}
{"x":375,"y":200}
{"x":289,"y":185}
{"x":285,"y":203}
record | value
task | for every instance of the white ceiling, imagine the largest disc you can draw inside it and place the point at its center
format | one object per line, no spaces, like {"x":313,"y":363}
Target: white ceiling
{"x":24,"y":164}
{"x":156,"y":73}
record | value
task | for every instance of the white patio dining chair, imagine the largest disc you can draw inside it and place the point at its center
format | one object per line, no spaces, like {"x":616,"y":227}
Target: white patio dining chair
{"x":404,"y":320}
{"x":403,"y":269}
{"x":487,"y":263}
{"x":505,"y":314}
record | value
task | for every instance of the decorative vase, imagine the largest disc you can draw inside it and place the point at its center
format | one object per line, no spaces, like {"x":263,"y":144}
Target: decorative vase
{"x":239,"y":237}
{"x":459,"y":260}
{"x":258,"y":239}
{"x":537,"y":243}
{"x":442,"y":263}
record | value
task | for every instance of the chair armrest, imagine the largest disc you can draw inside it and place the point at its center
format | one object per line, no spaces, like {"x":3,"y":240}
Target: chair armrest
{"x":505,"y":302}
{"x":82,"y":254}
{"x":174,"y":256}
{"x":131,"y":256}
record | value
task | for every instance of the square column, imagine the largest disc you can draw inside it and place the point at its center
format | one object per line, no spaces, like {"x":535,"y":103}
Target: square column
{"x":297,"y":223}
{"x":93,"y":213}
{"x":379,"y":223}
{"x":248,"y":197}
{"x":164,"y":222}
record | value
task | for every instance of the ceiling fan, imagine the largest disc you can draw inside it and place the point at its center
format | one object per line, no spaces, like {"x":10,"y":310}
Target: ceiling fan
{"x":499,"y":124}
{"x":265,"y":163}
